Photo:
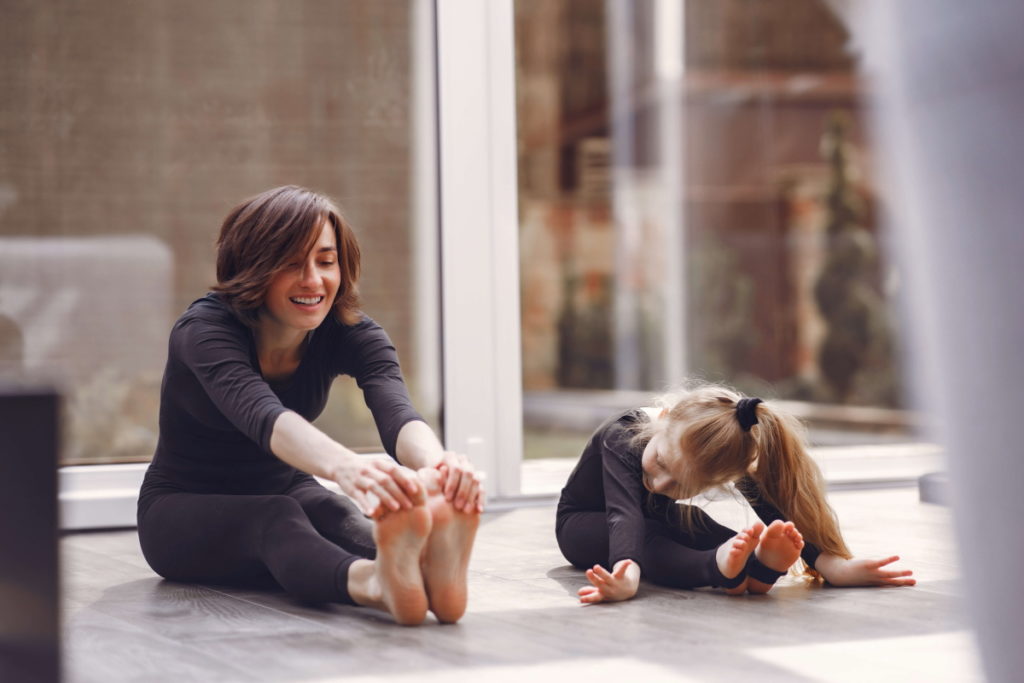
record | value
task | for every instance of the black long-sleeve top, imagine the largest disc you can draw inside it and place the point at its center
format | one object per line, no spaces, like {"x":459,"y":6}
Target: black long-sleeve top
{"x":217,"y":411}
{"x":609,"y":478}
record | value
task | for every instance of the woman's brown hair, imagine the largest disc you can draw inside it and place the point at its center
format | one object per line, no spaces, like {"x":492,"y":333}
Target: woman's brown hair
{"x":264,"y":233}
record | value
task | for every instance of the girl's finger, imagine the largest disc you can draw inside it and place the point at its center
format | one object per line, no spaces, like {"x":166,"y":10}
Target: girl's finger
{"x":888,"y":560}
{"x":603,"y":573}
{"x":896,"y":575}
{"x":595,"y":579}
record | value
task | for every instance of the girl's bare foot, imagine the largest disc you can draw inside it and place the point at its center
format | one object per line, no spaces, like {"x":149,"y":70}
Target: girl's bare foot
{"x":732,"y":555}
{"x":779,"y":548}
{"x":401,"y":537}
{"x":446,"y":558}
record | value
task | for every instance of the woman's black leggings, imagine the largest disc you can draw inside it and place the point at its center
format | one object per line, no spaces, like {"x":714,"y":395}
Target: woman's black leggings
{"x":305,"y":539}
{"x":672,"y":555}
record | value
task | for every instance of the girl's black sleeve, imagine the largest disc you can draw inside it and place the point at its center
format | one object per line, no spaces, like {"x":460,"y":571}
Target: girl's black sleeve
{"x":769,"y":513}
{"x":624,"y":498}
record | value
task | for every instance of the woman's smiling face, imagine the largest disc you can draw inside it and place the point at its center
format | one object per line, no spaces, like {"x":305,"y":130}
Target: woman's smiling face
{"x":300,"y":296}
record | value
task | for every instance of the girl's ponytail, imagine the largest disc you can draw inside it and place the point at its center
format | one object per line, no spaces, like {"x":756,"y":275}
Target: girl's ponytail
{"x":792,"y":482}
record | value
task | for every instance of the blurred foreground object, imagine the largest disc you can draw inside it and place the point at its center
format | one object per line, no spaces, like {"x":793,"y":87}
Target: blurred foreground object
{"x":951,"y":78}
{"x":29,"y":580}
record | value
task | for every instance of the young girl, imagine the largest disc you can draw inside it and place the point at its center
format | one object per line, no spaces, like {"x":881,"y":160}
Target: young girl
{"x":229,"y":496}
{"x":618,"y":517}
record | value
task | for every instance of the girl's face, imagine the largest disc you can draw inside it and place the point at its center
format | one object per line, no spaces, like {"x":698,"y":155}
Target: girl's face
{"x":657,"y":457}
{"x":300,"y":295}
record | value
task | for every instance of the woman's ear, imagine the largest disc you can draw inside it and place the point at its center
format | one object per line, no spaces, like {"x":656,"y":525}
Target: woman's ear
{"x":663,"y":413}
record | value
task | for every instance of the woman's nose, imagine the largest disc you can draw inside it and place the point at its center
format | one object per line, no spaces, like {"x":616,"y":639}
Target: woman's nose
{"x":309,"y":276}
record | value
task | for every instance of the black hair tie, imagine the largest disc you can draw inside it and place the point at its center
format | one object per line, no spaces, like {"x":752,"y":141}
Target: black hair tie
{"x":746,"y":412}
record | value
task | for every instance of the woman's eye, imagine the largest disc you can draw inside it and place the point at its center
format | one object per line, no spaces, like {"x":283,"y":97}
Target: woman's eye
{"x":326,"y":264}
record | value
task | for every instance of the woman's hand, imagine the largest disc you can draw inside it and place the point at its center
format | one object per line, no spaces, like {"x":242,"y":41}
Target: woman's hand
{"x":461,"y":484}
{"x":619,"y":584}
{"x":861,"y":572}
{"x":377,"y":485}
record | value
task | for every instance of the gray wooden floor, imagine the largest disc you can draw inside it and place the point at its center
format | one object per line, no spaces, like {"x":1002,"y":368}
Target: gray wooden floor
{"x":123,"y":623}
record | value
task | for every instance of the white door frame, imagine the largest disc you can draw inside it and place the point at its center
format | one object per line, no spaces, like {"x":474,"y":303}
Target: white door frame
{"x":479,"y":237}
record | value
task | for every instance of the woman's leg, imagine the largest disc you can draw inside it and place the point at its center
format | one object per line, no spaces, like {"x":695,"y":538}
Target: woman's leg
{"x":235,"y":539}
{"x":445,"y":560}
{"x":336,"y":517}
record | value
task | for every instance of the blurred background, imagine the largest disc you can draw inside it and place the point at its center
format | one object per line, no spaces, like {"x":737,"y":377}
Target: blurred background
{"x":697,"y":197}
{"x":698,"y":191}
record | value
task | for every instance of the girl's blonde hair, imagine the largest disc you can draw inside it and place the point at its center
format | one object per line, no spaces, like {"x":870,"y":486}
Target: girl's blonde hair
{"x":714,"y":450}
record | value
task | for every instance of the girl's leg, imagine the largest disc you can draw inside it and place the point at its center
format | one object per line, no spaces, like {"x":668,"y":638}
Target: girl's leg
{"x":583,"y":538}
{"x":236,"y":539}
{"x":336,"y":517}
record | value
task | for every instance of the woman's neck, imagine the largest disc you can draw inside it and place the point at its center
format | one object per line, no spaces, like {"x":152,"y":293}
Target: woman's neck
{"x":279,"y":349}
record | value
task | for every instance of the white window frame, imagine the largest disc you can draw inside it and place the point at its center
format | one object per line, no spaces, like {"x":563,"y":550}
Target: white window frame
{"x":478,"y":188}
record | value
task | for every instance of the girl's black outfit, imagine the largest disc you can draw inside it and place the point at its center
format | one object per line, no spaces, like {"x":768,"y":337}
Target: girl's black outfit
{"x":605,"y":514}
{"x":216,"y":505}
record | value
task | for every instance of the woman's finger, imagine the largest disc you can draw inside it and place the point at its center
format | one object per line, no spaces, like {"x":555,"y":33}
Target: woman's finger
{"x":361,"y":501}
{"x":408,"y":480}
{"x":388,"y":490}
{"x":454,"y":475}
{"x":603,"y":573}
{"x":465,"y":495}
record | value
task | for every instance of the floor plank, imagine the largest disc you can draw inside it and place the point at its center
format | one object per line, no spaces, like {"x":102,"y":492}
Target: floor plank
{"x":123,"y":623}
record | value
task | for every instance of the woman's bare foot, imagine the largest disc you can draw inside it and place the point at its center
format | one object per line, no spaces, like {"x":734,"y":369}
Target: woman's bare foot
{"x":779,"y":548}
{"x":401,"y":537}
{"x":732,"y":555}
{"x":446,"y":558}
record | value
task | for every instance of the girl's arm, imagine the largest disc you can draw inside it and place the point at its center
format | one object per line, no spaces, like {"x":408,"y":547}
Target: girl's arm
{"x":303,"y":446}
{"x":862,"y":572}
{"x":621,"y":583}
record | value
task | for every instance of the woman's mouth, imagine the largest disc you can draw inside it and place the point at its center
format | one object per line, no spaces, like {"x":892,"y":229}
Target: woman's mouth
{"x":306,"y":300}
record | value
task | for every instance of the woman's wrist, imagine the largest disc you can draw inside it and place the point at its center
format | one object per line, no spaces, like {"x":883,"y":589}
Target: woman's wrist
{"x":417,"y":446}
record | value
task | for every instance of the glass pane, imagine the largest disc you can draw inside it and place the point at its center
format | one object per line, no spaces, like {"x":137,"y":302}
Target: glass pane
{"x":697,"y":201}
{"x":128,"y":130}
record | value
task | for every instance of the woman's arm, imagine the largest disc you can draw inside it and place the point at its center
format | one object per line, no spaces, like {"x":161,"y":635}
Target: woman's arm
{"x":417,"y":446}
{"x":301,"y":445}
{"x":862,"y":572}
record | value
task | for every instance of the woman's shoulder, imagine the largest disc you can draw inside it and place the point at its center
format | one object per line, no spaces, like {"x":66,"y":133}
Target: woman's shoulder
{"x":208,"y":314}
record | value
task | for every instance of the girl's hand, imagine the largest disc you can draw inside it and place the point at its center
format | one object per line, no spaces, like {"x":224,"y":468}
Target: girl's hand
{"x":862,"y":572}
{"x":377,"y":485}
{"x":460,"y":483}
{"x":619,"y":584}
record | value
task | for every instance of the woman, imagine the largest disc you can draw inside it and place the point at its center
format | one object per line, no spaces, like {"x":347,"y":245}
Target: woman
{"x":618,"y":518}
{"x":229,"y":496}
